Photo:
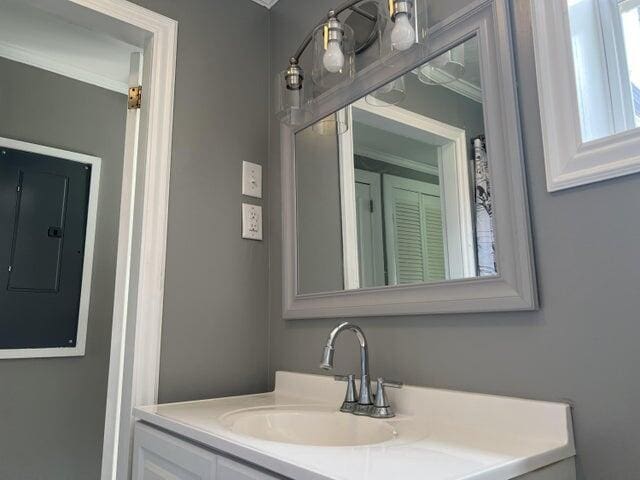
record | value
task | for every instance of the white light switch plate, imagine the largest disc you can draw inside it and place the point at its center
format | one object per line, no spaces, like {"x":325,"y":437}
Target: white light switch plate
{"x":251,"y":221}
{"x":252,"y":179}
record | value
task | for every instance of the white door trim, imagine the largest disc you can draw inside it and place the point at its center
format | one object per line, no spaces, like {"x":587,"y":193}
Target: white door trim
{"x":89,"y":243}
{"x":139,"y":289}
{"x":350,"y":261}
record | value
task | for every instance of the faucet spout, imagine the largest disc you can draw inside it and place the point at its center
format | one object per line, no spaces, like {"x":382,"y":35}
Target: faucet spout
{"x":328,"y":354}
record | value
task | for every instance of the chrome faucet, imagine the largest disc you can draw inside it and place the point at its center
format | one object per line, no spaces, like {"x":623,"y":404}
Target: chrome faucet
{"x":365,"y":404}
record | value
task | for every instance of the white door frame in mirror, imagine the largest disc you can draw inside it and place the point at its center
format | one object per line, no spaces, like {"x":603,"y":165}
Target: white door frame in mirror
{"x":139,"y":288}
{"x":515,"y":287}
{"x":453,"y":170}
{"x":570,"y":162}
{"x":455,"y":193}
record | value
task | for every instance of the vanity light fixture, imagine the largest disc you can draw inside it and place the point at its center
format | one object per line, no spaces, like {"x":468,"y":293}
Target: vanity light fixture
{"x":351,"y":28}
{"x":446,"y":68}
{"x":403,"y":35}
{"x":332,"y":33}
{"x":390,"y":94}
{"x":333,"y":53}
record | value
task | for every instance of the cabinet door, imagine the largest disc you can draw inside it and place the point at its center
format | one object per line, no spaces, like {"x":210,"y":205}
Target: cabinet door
{"x":158,"y":456}
{"x":230,"y":470}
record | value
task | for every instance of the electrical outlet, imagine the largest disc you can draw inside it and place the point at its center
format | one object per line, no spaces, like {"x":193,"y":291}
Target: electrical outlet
{"x":251,"y":221}
{"x":252,"y":179}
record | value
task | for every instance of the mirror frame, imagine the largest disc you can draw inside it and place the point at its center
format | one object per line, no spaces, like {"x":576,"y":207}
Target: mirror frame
{"x":514,"y":288}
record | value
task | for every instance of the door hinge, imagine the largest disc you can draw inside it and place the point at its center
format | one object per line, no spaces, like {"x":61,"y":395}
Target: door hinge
{"x":371,"y":206}
{"x":135,"y":98}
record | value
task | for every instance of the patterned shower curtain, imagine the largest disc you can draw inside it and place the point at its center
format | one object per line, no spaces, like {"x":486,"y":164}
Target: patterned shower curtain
{"x":485,"y":241}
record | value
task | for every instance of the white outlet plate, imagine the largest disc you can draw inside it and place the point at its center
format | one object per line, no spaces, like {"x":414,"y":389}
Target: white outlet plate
{"x":252,"y":179}
{"x":251,"y":221}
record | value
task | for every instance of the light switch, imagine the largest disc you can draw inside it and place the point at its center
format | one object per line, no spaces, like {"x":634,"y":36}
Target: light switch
{"x":252,"y":179}
{"x":251,"y":221}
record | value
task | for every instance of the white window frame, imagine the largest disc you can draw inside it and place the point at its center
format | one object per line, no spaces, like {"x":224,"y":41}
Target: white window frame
{"x":87,"y":266}
{"x":569,"y":160}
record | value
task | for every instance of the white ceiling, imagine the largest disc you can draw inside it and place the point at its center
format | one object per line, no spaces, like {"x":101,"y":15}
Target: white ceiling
{"x":32,"y":35}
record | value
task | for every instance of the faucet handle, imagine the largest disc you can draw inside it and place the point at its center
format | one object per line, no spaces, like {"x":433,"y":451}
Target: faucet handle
{"x":350,"y":398}
{"x":391,"y":383}
{"x":381,"y":407}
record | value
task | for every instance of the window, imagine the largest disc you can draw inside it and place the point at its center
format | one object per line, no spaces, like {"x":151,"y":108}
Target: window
{"x":588,"y":68}
{"x":606,"y":69}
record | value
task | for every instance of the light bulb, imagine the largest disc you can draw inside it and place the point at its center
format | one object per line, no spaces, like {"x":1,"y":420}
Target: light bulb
{"x":403,"y":36}
{"x":333,"y":59}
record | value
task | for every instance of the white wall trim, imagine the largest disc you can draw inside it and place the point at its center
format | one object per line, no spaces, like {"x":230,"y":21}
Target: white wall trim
{"x":266,"y":3}
{"x":569,"y":161}
{"x":89,"y":244}
{"x":35,"y":59}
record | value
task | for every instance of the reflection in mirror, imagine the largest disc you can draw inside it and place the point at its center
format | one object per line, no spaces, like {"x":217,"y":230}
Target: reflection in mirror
{"x":394,"y":189}
{"x":607,"y":68}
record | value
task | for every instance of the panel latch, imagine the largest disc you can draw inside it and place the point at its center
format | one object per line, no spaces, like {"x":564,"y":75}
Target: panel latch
{"x":55,"y":232}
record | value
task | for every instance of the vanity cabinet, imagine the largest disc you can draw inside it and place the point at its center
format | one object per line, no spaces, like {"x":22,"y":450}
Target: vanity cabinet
{"x":161,"y":456}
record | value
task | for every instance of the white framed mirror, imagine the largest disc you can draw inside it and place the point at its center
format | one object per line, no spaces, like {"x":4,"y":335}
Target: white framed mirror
{"x":404,"y":193}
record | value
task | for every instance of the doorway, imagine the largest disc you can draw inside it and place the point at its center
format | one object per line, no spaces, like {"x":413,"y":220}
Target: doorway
{"x":96,"y":33}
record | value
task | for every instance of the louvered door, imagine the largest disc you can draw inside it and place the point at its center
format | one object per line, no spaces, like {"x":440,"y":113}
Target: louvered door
{"x":414,"y":231}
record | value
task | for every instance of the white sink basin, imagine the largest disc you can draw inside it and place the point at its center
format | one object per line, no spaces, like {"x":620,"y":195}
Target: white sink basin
{"x":308,"y":426}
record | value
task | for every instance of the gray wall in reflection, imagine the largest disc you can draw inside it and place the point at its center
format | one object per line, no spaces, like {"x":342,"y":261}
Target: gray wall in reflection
{"x":582,"y":343}
{"x":319,"y":215}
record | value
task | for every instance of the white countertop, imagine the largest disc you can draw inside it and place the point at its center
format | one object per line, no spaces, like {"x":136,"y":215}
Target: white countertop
{"x":443,"y":434}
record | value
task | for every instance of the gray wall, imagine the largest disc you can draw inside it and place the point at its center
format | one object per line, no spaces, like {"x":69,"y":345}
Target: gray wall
{"x":582,"y":343}
{"x":52,"y":410}
{"x":215,"y":307}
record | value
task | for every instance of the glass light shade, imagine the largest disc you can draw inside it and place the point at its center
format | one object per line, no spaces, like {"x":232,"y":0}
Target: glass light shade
{"x":334,"y":124}
{"x":444,"y":69}
{"x":404,"y":28}
{"x":392,"y":93}
{"x":290,"y":104}
{"x":333,"y":56}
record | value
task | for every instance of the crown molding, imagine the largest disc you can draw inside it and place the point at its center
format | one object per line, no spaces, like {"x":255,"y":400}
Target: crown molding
{"x":462,"y":87}
{"x":266,"y":3}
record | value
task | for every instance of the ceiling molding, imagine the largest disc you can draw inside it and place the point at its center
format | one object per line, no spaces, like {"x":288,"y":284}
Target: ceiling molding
{"x":460,"y":86}
{"x":266,"y":3}
{"x":374,"y":154}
